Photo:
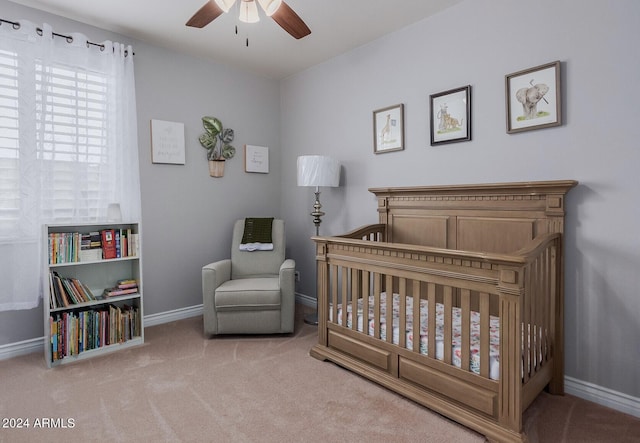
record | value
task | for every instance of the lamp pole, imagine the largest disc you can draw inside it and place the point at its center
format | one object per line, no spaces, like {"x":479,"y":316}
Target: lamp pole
{"x":317,"y":213}
{"x":312,"y":319}
{"x":317,"y":171}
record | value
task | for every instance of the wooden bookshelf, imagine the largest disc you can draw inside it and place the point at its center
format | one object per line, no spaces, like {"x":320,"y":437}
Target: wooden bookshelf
{"x":80,"y":321}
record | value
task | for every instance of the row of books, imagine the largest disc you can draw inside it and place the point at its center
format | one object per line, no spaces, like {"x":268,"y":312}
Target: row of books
{"x":69,"y":291}
{"x":75,"y":332}
{"x":69,"y":247}
{"x":66,"y":291}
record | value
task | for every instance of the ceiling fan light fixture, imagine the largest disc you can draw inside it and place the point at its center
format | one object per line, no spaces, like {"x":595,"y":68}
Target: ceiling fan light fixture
{"x":270,"y":6}
{"x":249,"y":12}
{"x":225,"y":5}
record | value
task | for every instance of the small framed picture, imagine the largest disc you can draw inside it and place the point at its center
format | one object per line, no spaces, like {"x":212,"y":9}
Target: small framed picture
{"x":256,"y":159}
{"x":167,"y":142}
{"x":451,"y":116}
{"x":533,"y":98}
{"x":388,"y":129}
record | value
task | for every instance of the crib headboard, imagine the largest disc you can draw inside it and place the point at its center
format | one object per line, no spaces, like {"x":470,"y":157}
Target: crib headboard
{"x":490,"y":217}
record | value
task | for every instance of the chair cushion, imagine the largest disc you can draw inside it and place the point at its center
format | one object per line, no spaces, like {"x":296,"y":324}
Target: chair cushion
{"x":248,"y":294}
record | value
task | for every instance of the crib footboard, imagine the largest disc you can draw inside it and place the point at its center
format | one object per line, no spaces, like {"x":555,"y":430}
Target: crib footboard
{"x":473,"y":336}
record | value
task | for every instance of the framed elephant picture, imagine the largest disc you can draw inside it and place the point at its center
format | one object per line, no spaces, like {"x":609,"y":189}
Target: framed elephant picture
{"x":533,"y":98}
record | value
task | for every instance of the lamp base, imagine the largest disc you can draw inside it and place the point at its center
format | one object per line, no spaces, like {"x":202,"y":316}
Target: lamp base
{"x":311,"y":319}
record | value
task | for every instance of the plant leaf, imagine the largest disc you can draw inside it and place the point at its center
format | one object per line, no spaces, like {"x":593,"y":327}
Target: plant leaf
{"x":228,"y":151}
{"x":212,"y":125}
{"x":207,"y":140}
{"x":227,"y":136}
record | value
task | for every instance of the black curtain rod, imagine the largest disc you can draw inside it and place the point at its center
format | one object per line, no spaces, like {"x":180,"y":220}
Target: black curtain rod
{"x":68,"y":38}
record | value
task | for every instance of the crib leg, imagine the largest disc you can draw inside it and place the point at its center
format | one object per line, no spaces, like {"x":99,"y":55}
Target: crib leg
{"x":556,"y":385}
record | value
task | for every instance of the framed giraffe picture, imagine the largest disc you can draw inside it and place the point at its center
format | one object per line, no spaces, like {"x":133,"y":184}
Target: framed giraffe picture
{"x":388,"y":129}
{"x":451,"y":116}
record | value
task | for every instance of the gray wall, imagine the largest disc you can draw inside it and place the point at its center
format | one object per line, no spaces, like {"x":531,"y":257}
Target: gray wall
{"x":477,"y":42}
{"x":187,"y":216}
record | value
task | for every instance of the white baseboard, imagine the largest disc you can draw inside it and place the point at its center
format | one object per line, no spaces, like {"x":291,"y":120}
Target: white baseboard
{"x":21,"y":348}
{"x":602,"y":396}
{"x":169,"y":316}
{"x":587,"y":391}
{"x":306,"y":300}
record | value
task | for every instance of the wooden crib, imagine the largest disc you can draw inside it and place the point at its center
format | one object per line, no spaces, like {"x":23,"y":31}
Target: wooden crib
{"x":460,"y":261}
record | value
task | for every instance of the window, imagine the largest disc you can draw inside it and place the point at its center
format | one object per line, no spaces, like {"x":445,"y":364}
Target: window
{"x":9,"y":155}
{"x":68,"y":145}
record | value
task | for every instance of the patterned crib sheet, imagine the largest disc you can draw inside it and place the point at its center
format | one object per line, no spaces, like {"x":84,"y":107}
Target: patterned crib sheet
{"x":494,"y":331}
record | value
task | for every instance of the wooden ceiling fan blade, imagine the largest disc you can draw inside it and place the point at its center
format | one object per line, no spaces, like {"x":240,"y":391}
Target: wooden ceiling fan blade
{"x":290,"y":21}
{"x":205,"y":15}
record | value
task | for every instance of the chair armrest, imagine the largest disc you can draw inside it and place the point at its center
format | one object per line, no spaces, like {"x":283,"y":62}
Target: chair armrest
{"x":214,"y":274}
{"x":287,"y":273}
{"x":288,"y":294}
{"x":288,"y":264}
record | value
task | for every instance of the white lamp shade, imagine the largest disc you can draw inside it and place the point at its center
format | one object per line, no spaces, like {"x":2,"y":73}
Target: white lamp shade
{"x":318,"y":170}
{"x":249,"y":11}
{"x":225,"y":5}
{"x":270,"y":6}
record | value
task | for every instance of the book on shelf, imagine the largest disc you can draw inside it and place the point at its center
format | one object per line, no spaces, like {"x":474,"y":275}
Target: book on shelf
{"x":92,"y":254}
{"x":116,"y":291}
{"x":108,"y":237}
{"x":127,"y":283}
{"x":118,"y":244}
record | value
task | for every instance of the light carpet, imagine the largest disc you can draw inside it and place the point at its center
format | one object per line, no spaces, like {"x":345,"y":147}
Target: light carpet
{"x":182,"y":387}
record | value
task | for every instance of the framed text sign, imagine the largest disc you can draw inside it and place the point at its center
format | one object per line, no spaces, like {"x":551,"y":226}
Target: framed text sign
{"x":167,"y":142}
{"x":256,"y":159}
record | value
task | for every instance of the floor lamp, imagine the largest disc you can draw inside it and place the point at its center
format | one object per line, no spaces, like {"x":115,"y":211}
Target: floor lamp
{"x":317,"y":170}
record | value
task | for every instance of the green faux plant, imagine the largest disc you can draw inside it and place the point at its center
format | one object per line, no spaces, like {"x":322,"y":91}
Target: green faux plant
{"x":216,"y":139}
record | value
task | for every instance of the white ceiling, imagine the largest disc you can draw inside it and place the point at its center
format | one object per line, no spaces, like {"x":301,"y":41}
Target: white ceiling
{"x":336,"y":27}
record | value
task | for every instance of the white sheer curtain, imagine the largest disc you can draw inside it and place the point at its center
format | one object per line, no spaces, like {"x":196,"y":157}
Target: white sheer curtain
{"x":68,"y":145}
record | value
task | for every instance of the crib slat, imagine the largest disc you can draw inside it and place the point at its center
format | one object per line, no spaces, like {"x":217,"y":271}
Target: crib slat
{"x":485,"y":335}
{"x":402,"y":327}
{"x":526,"y":325}
{"x":366,"y":276}
{"x":431,"y":294}
{"x":448,"y":293}
{"x":377,"y":283}
{"x":388,"y":318}
{"x":535,"y":317}
{"x":416,"y":317}
{"x":333,"y":271}
{"x":553,"y":284}
{"x":355,"y":289}
{"x":465,"y":330}
{"x":343,"y":295}
{"x":545,"y":306}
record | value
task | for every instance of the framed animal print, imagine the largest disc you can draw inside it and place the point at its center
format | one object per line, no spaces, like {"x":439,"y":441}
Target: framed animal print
{"x":451,"y":116}
{"x":388,"y":129}
{"x":533,"y":98}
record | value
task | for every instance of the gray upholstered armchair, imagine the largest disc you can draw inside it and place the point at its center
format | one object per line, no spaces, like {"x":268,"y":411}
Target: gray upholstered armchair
{"x":253,"y":292}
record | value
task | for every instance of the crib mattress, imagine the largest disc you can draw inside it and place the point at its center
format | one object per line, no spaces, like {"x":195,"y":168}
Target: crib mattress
{"x":494,"y":330}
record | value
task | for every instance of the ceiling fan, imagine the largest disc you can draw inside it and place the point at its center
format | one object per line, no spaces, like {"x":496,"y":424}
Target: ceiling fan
{"x":278,"y":10}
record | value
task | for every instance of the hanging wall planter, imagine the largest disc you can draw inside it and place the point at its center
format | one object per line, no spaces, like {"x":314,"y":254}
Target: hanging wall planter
{"x":216,"y":168}
{"x":216,"y":140}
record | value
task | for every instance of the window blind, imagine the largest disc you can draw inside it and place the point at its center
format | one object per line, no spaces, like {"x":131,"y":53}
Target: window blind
{"x":71,"y":136}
